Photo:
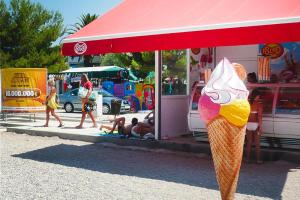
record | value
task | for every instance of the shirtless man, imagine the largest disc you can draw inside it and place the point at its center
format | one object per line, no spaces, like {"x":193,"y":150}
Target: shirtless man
{"x":141,"y":129}
{"x":149,"y":119}
{"x":120,"y":124}
{"x":137,"y":129}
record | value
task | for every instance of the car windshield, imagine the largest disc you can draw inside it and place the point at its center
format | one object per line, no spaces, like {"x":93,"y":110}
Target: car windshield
{"x":105,"y":93}
{"x":74,"y":92}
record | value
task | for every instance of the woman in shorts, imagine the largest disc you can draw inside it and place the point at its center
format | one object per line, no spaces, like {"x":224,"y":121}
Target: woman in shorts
{"x":52,"y":105}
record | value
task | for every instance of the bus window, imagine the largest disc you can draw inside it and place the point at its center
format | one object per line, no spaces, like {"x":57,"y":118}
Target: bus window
{"x":196,"y":97}
{"x":288,"y":101}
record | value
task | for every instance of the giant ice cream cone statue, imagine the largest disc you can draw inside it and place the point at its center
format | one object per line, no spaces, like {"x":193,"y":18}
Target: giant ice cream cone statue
{"x":224,"y":107}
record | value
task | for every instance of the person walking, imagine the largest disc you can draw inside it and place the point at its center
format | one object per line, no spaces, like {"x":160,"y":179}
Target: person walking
{"x":87,"y":106}
{"x":51,"y":104}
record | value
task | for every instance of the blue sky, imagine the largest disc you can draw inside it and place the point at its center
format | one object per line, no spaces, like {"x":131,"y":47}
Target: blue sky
{"x":71,"y":10}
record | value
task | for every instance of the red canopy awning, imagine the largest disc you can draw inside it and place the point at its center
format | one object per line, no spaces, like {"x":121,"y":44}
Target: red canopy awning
{"x":147,"y":25}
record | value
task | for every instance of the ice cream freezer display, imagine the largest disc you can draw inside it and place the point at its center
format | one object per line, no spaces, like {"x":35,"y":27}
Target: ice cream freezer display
{"x":281,"y":114}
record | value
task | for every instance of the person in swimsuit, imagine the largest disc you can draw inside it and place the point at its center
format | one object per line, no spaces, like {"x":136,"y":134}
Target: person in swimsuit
{"x":254,"y":125}
{"x":120,"y":124}
{"x":149,"y":119}
{"x":141,"y":129}
{"x":136,"y":129}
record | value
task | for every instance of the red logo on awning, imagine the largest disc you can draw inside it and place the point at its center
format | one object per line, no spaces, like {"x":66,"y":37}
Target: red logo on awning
{"x":80,"y":48}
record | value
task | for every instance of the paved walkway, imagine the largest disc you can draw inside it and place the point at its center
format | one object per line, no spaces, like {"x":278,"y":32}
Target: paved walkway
{"x":33,"y":125}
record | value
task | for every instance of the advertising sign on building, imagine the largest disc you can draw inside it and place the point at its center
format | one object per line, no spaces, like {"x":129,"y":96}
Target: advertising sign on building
{"x":0,"y":91}
{"x":23,"y":89}
{"x":201,"y":65}
{"x":285,"y":60}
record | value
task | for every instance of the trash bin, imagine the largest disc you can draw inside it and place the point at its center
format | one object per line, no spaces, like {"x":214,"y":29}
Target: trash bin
{"x":115,"y":106}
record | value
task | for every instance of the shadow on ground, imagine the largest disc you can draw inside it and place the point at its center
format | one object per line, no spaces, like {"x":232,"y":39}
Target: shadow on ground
{"x":264,"y":180}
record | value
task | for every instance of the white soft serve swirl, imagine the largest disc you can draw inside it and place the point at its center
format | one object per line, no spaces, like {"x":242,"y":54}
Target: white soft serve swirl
{"x":224,"y":85}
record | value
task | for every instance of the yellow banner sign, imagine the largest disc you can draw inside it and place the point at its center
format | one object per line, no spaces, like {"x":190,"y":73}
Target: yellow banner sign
{"x":23,"y":89}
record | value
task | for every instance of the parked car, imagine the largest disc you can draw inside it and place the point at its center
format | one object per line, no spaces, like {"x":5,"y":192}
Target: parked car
{"x":281,"y":113}
{"x":71,"y":102}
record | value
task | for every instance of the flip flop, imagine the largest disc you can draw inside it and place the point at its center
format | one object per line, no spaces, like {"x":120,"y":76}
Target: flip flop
{"x":106,"y":132}
{"x":61,"y":125}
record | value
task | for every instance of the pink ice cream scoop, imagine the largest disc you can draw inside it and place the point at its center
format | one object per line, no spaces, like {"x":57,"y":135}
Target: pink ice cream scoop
{"x":208,"y":109}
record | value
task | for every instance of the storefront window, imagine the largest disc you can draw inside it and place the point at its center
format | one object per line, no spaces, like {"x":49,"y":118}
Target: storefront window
{"x":174,"y":72}
{"x":266,"y":98}
{"x":288,"y":101}
{"x":196,"y":97}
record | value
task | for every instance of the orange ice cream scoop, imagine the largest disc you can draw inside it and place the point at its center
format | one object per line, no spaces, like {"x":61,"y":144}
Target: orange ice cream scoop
{"x":237,"y":112}
{"x":240,"y":70}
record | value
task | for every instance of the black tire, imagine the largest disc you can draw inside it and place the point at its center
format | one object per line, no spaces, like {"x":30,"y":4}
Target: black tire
{"x":69,"y":108}
{"x":105,"y":109}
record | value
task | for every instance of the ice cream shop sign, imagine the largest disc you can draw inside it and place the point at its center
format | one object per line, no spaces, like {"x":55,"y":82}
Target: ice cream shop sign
{"x":273,"y":50}
{"x":80,"y":48}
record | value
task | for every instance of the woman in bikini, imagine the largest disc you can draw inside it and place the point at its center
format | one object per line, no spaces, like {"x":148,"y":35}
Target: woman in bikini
{"x":254,"y":125}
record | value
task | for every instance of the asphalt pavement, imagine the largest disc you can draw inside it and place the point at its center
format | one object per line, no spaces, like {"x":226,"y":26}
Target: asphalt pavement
{"x":51,"y":168}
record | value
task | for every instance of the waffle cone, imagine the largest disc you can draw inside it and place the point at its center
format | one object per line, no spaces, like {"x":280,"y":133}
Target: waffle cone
{"x":226,"y":143}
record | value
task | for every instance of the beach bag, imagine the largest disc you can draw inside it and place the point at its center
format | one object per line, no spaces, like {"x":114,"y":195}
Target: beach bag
{"x":82,"y":92}
{"x":88,"y":107}
{"x":92,"y":97}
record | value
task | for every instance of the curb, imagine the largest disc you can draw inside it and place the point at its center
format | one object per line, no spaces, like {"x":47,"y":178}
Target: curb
{"x":5,"y":124}
{"x":69,"y":136}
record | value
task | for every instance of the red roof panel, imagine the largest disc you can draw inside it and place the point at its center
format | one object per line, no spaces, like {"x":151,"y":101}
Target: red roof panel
{"x":143,"y":25}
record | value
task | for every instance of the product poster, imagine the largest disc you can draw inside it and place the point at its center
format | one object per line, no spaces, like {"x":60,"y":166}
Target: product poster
{"x":23,"y":89}
{"x":1,"y":90}
{"x":201,"y":65}
{"x":284,"y":60}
